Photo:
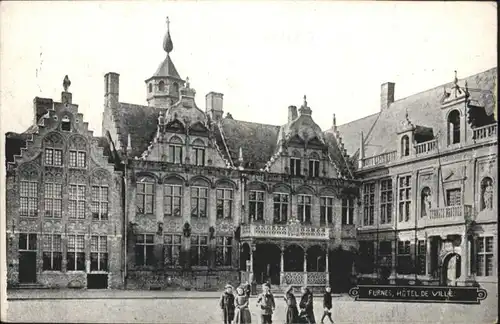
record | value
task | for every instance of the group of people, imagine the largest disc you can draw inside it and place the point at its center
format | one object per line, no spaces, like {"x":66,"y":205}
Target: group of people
{"x":235,"y":308}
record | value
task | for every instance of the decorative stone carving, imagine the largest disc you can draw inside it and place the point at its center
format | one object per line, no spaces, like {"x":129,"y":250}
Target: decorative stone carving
{"x":77,"y":176}
{"x":224,"y":227}
{"x":77,"y":142}
{"x":54,"y":140}
{"x":28,"y":171}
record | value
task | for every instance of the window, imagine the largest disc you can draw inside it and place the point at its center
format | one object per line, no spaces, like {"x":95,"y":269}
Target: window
{"x":313,"y":168}
{"x":304,"y":208}
{"x":485,"y":257}
{"x":280,"y":207}
{"x":199,"y":250}
{"x":295,"y":166}
{"x":27,"y":242}
{"x":453,"y":197}
{"x":224,"y":251}
{"x":404,"y":198}
{"x":52,"y":252}
{"x":150,"y":87}
{"x":405,"y":264}
{"x":224,"y":203}
{"x":99,"y":203}
{"x":53,"y":157}
{"x":385,"y":254}
{"x":28,"y":195}
{"x":77,"y":201}
{"x":77,"y":159}
{"x":199,"y":156}
{"x":144,"y":250}
{"x":487,"y":193}
{"x":66,"y":124}
{"x":421,"y":257}
{"x":76,"y":253}
{"x":256,"y":204}
{"x":425,"y":202}
{"x":454,"y":127}
{"x":175,"y":153}
{"x":386,"y":201}
{"x":405,"y":146}
{"x":53,"y":200}
{"x":99,"y":253}
{"x":368,"y":203}
{"x":367,"y":257}
{"x":161,"y":86}
{"x":145,"y":196}
{"x":172,"y":244}
{"x":172,"y":200}
{"x":199,"y":202}
{"x":347,"y":211}
{"x":325,"y":210}
{"x":176,"y":89}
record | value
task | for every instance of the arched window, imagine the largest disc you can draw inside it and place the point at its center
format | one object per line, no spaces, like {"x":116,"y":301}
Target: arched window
{"x":175,"y":150}
{"x":145,"y":195}
{"x":198,"y":152}
{"x":66,"y":124}
{"x":314,"y":165}
{"x":295,"y":163}
{"x":487,"y":193}
{"x":53,"y":149}
{"x":161,"y":86}
{"x":405,"y":145}
{"x":150,"y":88}
{"x":77,"y":152}
{"x":454,"y":127}
{"x":176,"y":89}
{"x":425,"y":202}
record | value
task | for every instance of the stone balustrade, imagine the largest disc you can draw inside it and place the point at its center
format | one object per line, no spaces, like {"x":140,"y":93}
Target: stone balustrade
{"x":426,"y":147}
{"x":484,"y":132}
{"x":453,"y":214}
{"x":383,"y":158}
{"x":285,"y":231}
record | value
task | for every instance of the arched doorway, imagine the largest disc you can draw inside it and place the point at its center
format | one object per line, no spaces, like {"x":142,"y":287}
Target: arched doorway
{"x":293,"y":259}
{"x":316,"y":261}
{"x":451,"y":269}
{"x":244,"y":256}
{"x":340,"y":265}
{"x":267,"y":259}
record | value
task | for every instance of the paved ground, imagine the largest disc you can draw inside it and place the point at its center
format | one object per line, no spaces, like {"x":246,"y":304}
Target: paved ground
{"x":151,"y":307}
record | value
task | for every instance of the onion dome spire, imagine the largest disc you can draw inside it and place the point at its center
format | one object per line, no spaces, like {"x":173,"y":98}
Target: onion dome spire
{"x":168,"y":46}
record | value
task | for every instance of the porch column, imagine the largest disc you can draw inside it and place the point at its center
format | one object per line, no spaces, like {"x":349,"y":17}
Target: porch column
{"x":464,"y":254}
{"x":326,"y":268}
{"x":305,"y":269}
{"x":250,"y":275}
{"x":393,"y":258}
{"x":429,"y":257}
{"x":282,"y":266}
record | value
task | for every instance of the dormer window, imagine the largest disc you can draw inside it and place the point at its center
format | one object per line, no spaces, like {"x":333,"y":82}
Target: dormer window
{"x":454,"y":127}
{"x":161,"y":86}
{"x":175,"y":150}
{"x":295,"y":164}
{"x":66,"y":124}
{"x":405,"y":145}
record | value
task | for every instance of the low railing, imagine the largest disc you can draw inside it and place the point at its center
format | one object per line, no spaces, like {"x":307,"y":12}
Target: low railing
{"x":285,"y":231}
{"x":383,"y":158}
{"x":293,"y":278}
{"x":457,"y":213}
{"x":426,"y":147}
{"x":484,"y":132}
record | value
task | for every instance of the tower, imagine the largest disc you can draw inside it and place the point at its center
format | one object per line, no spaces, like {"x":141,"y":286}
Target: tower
{"x":164,"y":86}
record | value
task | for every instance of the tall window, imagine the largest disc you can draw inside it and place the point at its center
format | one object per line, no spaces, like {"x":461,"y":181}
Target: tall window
{"x":99,"y":253}
{"x":77,"y":201}
{"x":487,"y":193}
{"x":325,"y":210}
{"x":454,"y":197}
{"x":421,"y":257}
{"x":314,"y":166}
{"x":161,"y":86}
{"x":76,"y":253}
{"x":224,"y":203}
{"x":385,"y":254}
{"x":53,"y":157}
{"x":304,"y":208}
{"x":53,"y":200}
{"x":405,"y":145}
{"x":404,"y":198}
{"x":280,"y":207}
{"x":347,"y":211}
{"x":256,"y":204}
{"x":77,"y":159}
{"x":367,"y":257}
{"x":145,"y":196}
{"x":199,"y":196}
{"x":405,"y":264}
{"x":368,"y":203}
{"x":454,"y":127}
{"x":172,"y":244}
{"x":386,"y":201}
{"x":172,"y":199}
{"x":52,"y":252}
{"x":27,"y":242}
{"x":199,"y":250}
{"x":144,"y":250}
{"x":425,"y":202}
{"x":175,"y":150}
{"x":199,"y":156}
{"x":66,"y":124}
{"x":224,"y":250}
{"x":295,"y":166}
{"x":99,"y":203}
{"x":28,"y":195}
{"x":485,"y":257}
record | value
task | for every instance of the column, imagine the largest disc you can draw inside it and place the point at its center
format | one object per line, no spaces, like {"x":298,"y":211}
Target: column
{"x":250,"y":275}
{"x":282,"y":266}
{"x":393,"y":259}
{"x":428,"y":256}
{"x":158,"y":210}
{"x":464,"y":255}
{"x":327,"y":272}
{"x":305,"y":268}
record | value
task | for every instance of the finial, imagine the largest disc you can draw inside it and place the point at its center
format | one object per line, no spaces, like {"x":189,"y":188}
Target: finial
{"x":240,"y":155}
{"x":168,"y":46}
{"x":305,"y":101}
{"x":187,"y":82}
{"x":129,"y":143}
{"x":456,"y":78}
{"x":66,"y":83}
{"x":168,"y":24}
{"x":334,"y":121}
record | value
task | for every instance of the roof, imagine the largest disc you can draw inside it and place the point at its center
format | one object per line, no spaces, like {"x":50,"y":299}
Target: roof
{"x":424,"y":109}
{"x":167,"y":69}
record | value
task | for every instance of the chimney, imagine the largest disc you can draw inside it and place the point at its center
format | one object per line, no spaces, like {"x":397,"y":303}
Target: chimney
{"x":292,"y":113}
{"x":214,"y":108}
{"x":112,"y":86}
{"x":40,"y":107}
{"x":361,"y":151}
{"x":386,"y":95}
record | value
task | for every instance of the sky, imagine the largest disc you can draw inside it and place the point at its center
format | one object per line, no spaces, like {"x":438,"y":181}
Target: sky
{"x":263,"y":55}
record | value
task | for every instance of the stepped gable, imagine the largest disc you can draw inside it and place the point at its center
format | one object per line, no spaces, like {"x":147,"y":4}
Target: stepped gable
{"x":13,"y":144}
{"x":344,"y":164}
{"x":257,"y":141}
{"x":424,"y":108}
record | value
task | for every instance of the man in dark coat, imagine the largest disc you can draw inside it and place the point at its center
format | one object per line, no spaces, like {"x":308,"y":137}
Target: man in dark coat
{"x":267,"y":305}
{"x":226,"y":303}
{"x":306,"y":306}
{"x":248,"y":289}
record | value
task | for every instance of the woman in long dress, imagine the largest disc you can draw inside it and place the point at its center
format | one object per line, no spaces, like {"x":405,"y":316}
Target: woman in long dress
{"x":292,"y":314}
{"x":242,"y":314}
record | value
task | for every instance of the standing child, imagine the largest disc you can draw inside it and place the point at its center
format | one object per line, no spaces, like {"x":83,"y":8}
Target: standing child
{"x":242,"y":314}
{"x":226,"y":303}
{"x":267,"y":306}
{"x":327,"y":304}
